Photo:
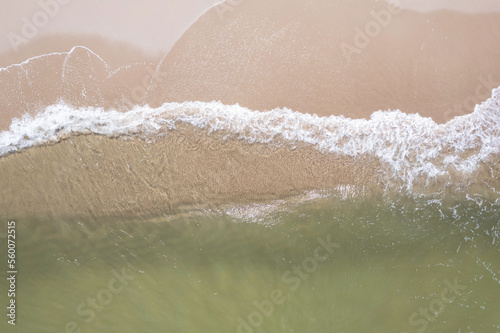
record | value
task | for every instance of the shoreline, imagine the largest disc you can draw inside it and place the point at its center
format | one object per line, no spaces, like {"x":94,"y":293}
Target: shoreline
{"x":99,"y":176}
{"x":408,"y":66}
{"x":273,"y":57}
{"x":93,"y":176}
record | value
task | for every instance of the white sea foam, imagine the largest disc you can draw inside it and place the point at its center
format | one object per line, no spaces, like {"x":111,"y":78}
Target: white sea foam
{"x":411,"y":145}
{"x":268,"y":213}
{"x":30,"y":60}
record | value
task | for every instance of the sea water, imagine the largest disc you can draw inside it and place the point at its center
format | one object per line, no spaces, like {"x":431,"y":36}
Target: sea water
{"x":331,"y":264}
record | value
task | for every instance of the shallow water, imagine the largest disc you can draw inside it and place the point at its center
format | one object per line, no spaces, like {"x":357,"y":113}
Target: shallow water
{"x":87,"y":135}
{"x":386,"y":261}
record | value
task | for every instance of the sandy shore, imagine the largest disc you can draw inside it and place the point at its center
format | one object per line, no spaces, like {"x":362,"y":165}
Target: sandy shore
{"x":342,"y":58}
{"x":101,"y":176}
{"x":329,"y":58}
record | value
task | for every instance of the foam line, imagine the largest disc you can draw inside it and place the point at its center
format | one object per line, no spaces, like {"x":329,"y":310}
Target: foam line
{"x":411,"y":145}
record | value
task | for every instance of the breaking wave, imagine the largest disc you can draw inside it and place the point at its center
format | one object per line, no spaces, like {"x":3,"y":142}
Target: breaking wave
{"x":410,"y":145}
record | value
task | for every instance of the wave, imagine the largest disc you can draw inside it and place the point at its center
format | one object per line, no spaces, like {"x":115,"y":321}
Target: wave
{"x":412,"y":146}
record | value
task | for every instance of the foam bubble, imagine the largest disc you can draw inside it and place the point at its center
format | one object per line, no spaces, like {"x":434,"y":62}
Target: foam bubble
{"x":412,"y":146}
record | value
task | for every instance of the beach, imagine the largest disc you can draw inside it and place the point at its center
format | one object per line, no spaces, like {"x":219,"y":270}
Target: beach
{"x":294,"y":63}
{"x":252,"y":166}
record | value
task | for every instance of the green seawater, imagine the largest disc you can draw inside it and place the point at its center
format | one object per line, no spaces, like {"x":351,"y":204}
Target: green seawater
{"x":330,"y":265}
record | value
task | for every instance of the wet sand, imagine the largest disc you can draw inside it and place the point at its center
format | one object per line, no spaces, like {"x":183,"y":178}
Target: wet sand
{"x":206,"y":217}
{"x":152,"y":27}
{"x":319,"y":57}
{"x":310,"y":57}
{"x":99,"y":176}
{"x":306,"y":56}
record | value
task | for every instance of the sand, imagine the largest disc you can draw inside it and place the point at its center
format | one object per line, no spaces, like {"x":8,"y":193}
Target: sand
{"x":95,"y":176}
{"x":308,"y":56}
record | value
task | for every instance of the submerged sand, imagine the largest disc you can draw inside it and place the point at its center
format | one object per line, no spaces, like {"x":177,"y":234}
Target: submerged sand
{"x":94,"y":175}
